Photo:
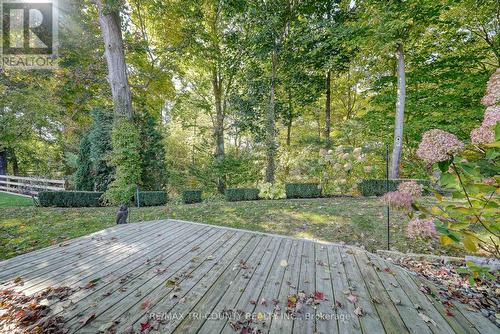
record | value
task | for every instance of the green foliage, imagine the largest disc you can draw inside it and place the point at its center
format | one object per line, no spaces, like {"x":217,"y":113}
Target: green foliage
{"x":152,"y":198}
{"x":153,"y":168}
{"x":303,"y":190}
{"x":101,"y":147}
{"x":242,"y":194}
{"x":377,"y":187}
{"x":127,"y":161}
{"x":84,"y":179}
{"x":191,"y":196}
{"x":272,"y":191}
{"x":70,"y":198}
{"x":470,"y":216}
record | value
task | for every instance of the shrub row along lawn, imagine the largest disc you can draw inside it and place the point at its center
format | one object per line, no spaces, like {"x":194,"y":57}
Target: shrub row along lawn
{"x":354,"y":221}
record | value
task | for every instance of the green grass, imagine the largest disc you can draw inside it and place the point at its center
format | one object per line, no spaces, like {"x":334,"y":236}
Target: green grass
{"x":355,"y":221}
{"x":11,"y":200}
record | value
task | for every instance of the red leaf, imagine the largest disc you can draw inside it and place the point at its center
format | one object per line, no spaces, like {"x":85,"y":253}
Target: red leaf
{"x":146,"y":327}
{"x":319,"y":295}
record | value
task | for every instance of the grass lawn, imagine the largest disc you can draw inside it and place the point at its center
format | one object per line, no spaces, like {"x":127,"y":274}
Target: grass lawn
{"x":356,"y":221}
{"x":10,"y":200}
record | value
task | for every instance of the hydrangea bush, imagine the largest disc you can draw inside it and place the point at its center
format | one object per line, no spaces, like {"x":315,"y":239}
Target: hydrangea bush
{"x":341,"y":169}
{"x":470,"y":174}
{"x":338,"y":170}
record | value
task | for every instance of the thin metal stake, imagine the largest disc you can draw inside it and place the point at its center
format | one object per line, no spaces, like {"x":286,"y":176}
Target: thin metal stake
{"x":387,"y":190}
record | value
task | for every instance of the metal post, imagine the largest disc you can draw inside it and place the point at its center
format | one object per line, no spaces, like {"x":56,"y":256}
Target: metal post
{"x":387,"y":190}
{"x":137,"y":196}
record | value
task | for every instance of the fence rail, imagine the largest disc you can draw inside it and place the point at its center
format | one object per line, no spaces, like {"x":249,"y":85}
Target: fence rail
{"x":29,"y":185}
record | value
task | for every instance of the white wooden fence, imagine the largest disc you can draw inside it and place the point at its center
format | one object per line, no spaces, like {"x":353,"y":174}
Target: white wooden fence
{"x":29,"y":185}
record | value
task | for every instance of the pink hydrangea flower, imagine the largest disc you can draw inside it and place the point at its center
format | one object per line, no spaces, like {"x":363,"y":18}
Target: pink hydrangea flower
{"x":398,"y":200}
{"x":491,"y":116}
{"x":411,"y":188}
{"x":492,"y":96}
{"x":438,"y":145}
{"x":489,"y":181}
{"x":421,"y":228}
{"x":482,"y":135}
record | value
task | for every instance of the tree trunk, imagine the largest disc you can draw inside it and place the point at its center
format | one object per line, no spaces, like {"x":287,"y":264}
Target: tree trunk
{"x":326,"y":132}
{"x":109,"y":19}
{"x":219,"y":127}
{"x":290,"y":119}
{"x":3,"y":162}
{"x":400,"y":111}
{"x":15,"y":163}
{"x":270,"y":125}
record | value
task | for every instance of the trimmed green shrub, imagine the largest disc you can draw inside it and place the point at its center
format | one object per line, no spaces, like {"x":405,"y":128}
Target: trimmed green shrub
{"x":152,"y":198}
{"x":302,"y":190}
{"x":191,"y":196}
{"x":127,"y":160}
{"x":377,"y":187}
{"x":70,"y":198}
{"x":242,"y":194}
{"x":84,"y":178}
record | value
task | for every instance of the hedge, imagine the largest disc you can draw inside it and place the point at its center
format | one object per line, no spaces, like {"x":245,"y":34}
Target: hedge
{"x":191,"y":196}
{"x":152,"y":198}
{"x":377,"y":187}
{"x":302,"y":190}
{"x":69,"y":198}
{"x":242,"y":194}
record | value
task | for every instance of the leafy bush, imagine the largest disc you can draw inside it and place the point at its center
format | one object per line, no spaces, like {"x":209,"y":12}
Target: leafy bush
{"x":70,"y":198}
{"x":191,"y":196}
{"x":377,"y":187}
{"x":242,"y":194}
{"x":84,"y":179}
{"x":126,"y":159}
{"x":303,"y":190}
{"x":152,"y":198}
{"x":101,"y":147}
{"x":272,"y":191}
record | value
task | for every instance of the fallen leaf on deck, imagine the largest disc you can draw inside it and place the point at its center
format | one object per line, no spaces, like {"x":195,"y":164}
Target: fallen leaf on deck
{"x":352,"y":298}
{"x":19,"y":280}
{"x":146,"y":304}
{"x":145,"y":327}
{"x":359,"y":311}
{"x":92,"y":283}
{"x":319,"y":295}
{"x":85,"y":320}
{"x":170,"y":283}
{"x":426,"y":319}
{"x":284,"y":263}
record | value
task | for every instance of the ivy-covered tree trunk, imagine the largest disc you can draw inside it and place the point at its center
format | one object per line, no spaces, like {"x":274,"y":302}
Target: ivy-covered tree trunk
{"x":14,"y":161}
{"x":270,"y":123}
{"x":326,"y":132}
{"x":3,"y":161}
{"x":219,"y":126}
{"x":400,"y":111}
{"x":109,"y":19}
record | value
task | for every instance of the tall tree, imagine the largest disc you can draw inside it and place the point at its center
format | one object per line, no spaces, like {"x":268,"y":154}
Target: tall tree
{"x":391,"y":27}
{"x":109,"y":20}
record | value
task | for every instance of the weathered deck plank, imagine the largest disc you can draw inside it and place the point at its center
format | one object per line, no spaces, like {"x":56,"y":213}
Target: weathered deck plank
{"x":177,"y":276}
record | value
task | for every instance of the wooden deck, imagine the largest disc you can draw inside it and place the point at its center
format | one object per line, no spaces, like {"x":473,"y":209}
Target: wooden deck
{"x":181,"y":277}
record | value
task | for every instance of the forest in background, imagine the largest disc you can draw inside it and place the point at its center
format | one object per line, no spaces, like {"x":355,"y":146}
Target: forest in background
{"x":239,"y":92}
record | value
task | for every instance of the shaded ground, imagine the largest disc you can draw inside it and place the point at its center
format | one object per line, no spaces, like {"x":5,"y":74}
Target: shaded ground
{"x":356,"y":221}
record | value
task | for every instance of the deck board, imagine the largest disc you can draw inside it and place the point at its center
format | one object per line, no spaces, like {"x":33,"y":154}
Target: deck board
{"x":182,"y":277}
